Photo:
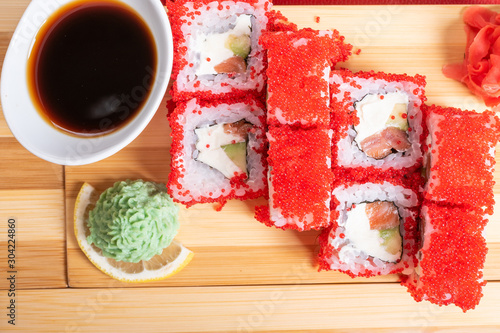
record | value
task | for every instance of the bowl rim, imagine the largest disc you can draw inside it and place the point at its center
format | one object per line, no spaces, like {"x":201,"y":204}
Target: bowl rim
{"x":94,"y":148}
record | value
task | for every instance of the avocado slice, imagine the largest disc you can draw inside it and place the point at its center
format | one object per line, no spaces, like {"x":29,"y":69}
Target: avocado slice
{"x":398,"y":117}
{"x":240,"y":45}
{"x":392,"y":240}
{"x":237,"y":152}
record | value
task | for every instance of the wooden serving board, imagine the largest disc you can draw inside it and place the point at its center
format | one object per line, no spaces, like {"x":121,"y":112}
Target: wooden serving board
{"x":244,"y":276}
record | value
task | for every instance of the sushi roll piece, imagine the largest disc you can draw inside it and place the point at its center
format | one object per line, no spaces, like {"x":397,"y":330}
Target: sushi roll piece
{"x":460,"y":157}
{"x":377,"y":119}
{"x":451,"y":257}
{"x":298,"y":70}
{"x":373,"y":230}
{"x":300,"y":179}
{"x":218,"y":151}
{"x":216,"y":49}
{"x":299,"y":156}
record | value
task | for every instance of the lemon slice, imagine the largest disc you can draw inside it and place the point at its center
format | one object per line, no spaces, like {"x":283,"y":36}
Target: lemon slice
{"x":172,"y":260}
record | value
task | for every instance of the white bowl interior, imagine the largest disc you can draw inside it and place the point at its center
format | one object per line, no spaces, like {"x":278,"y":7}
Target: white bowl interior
{"x":41,"y":138}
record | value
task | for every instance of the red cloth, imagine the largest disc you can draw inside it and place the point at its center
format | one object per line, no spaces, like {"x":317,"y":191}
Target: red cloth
{"x":383,"y":2}
{"x":380,"y":2}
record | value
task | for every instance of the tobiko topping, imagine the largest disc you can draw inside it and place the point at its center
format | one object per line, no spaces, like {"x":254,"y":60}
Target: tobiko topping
{"x":451,"y":258}
{"x":278,"y":22}
{"x":300,"y":175}
{"x":462,"y":159}
{"x":300,"y":69}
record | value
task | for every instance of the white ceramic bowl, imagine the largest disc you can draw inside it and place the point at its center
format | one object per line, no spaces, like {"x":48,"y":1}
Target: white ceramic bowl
{"x":41,"y":138}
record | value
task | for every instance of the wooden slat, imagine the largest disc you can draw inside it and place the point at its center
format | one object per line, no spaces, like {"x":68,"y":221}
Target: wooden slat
{"x":40,"y":237}
{"x":10,"y":14}
{"x":249,"y":266}
{"x":20,"y":169}
{"x":4,"y":43}
{"x":244,"y":309}
{"x":229,"y":266}
{"x":245,"y":252}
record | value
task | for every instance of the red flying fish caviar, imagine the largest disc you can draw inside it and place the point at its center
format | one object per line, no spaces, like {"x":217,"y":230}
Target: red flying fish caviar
{"x":300,"y":178}
{"x":461,"y":160}
{"x":299,"y":71}
{"x":276,"y":21}
{"x":326,"y":249}
{"x":409,"y":179}
{"x":452,"y":257}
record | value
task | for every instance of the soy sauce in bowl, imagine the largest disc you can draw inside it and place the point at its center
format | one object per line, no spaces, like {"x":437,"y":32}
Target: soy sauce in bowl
{"x":92,"y":67}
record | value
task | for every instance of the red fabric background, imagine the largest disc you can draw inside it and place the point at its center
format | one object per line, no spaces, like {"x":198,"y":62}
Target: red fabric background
{"x":383,"y":2}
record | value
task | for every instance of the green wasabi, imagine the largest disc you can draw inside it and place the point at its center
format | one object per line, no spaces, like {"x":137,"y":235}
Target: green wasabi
{"x":133,"y":221}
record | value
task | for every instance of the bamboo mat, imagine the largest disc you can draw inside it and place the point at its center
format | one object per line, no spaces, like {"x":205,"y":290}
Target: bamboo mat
{"x":244,"y":277}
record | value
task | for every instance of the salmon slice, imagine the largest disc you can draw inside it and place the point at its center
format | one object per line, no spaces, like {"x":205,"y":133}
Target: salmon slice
{"x":240,"y":128}
{"x":375,"y":146}
{"x":396,"y":138}
{"x":382,"y":215}
{"x":382,"y":144}
{"x":234,"y":64}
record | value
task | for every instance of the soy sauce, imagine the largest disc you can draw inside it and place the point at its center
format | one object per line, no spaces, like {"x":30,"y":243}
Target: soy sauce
{"x":92,"y":67}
